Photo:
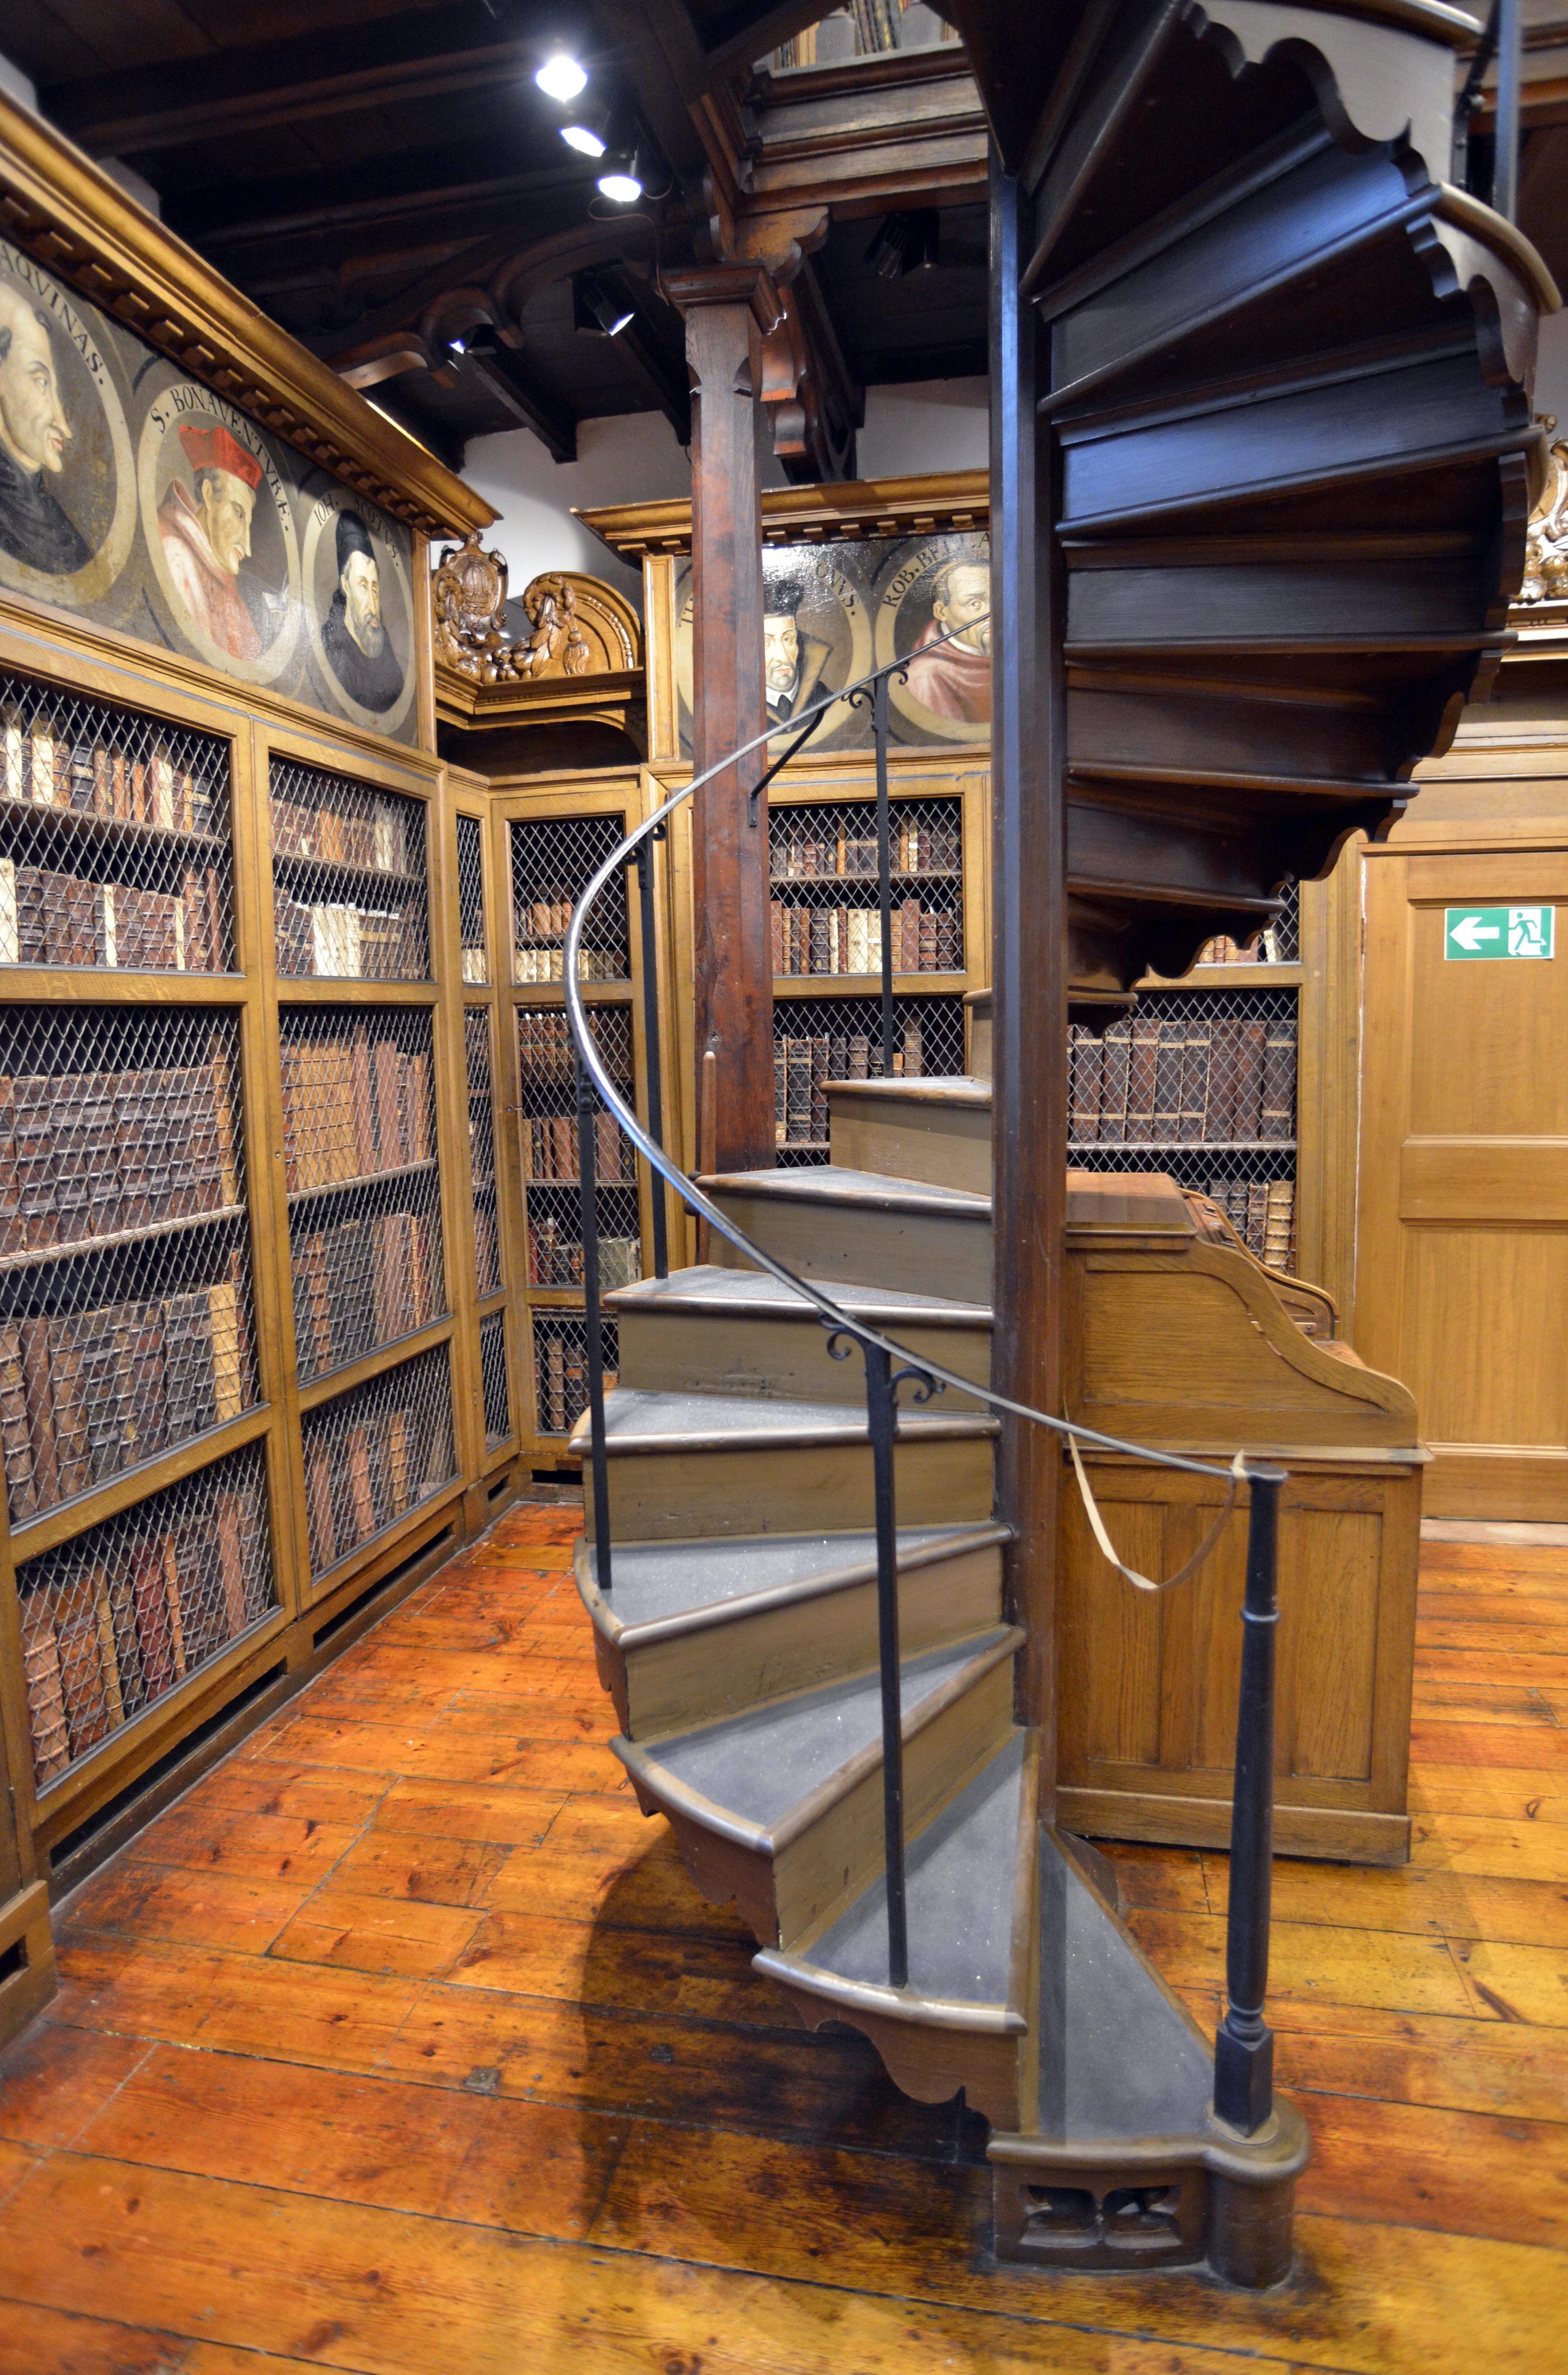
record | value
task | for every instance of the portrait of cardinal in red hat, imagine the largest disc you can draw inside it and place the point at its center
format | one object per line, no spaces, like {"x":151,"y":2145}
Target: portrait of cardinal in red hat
{"x":205,"y":530}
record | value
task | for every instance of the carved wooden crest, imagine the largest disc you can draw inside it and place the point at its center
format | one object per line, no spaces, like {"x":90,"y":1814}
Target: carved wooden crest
{"x":1546,"y":555}
{"x":578,"y":625}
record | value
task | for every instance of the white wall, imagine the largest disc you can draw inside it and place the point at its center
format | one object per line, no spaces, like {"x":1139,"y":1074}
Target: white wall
{"x":1552,"y":370}
{"x":633,"y":458}
{"x":931,"y":424}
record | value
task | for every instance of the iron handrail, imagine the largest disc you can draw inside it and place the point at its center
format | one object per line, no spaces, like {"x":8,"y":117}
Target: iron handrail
{"x":1243,"y":2052}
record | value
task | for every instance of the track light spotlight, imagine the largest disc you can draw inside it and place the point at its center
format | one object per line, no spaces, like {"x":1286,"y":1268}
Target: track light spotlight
{"x":623,"y":183}
{"x":596,"y":305}
{"x":560,"y":77}
{"x":903,"y":244}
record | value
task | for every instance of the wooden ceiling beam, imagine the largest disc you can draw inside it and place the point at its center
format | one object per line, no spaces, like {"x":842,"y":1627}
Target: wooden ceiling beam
{"x":401,"y":61}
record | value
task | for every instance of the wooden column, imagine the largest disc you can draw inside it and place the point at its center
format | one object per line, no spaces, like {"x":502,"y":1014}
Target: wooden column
{"x":728,"y":309}
{"x":1029,"y":871}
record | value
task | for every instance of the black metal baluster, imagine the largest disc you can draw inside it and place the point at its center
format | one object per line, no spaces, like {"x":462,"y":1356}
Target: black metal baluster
{"x":1505,"y":155}
{"x":884,"y":866}
{"x":588,"y":1206}
{"x":651,"y":1039}
{"x":881,"y":1418}
{"x":1244,"y":2050}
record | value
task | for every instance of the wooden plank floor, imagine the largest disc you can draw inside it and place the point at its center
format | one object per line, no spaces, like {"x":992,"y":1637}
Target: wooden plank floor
{"x":402,"y":2046}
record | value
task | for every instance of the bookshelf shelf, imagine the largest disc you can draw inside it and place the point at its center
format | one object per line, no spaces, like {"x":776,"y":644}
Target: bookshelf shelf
{"x":1201,"y":1080}
{"x":297,"y":1196}
{"x":115,"y":1240}
{"x":114,"y":844}
{"x":839,"y":984}
{"x":327,"y":1384}
{"x":332,"y":832}
{"x":98,"y":1502}
{"x":374,"y":1454}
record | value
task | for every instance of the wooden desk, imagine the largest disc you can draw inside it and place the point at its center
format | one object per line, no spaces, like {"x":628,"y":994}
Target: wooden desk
{"x":1176,"y":1336}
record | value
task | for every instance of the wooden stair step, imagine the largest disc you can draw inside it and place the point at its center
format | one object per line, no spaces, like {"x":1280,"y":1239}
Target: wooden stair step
{"x":710,"y":1329}
{"x":1117,"y":2164}
{"x":835,"y":1222}
{"x":780,"y":1807}
{"x":960,"y":1876}
{"x":936,"y":1131}
{"x":970,"y":1900}
{"x":696,"y":1630}
{"x":660,"y":1587}
{"x":683,"y":1464}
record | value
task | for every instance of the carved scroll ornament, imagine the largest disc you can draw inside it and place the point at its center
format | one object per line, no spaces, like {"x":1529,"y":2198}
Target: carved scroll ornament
{"x":578,"y":626}
{"x":1546,"y":555}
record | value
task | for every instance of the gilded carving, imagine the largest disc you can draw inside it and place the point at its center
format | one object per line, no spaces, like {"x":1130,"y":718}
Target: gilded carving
{"x":1546,"y":555}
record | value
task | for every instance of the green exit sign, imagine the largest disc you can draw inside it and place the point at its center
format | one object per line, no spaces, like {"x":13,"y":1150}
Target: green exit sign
{"x":1498,"y":931}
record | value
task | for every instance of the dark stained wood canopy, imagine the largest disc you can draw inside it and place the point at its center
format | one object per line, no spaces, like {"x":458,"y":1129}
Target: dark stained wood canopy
{"x":385,"y":179}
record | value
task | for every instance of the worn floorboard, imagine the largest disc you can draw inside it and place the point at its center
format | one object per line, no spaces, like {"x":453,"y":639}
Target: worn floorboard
{"x":402,"y":2046}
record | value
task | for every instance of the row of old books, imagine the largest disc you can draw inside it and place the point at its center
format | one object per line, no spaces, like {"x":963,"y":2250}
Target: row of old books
{"x":355,"y":1104}
{"x":47,"y":770}
{"x":361,"y":1476}
{"x":543,"y":919}
{"x":85,"y":1394}
{"x":531,"y":965}
{"x":106,"y":1635}
{"x":849,"y":940}
{"x":802,"y":1069}
{"x":363,"y":1283}
{"x":1263,"y":1213}
{"x":334,"y":940}
{"x":555,"y":1256}
{"x":561,"y":1376}
{"x":1192,"y":1079}
{"x":544,"y":1043}
{"x":371,"y":831}
{"x":913,"y":849}
{"x":549,"y":1150}
{"x":1265,"y":949}
{"x":85,"y":1156}
{"x":49,"y":918}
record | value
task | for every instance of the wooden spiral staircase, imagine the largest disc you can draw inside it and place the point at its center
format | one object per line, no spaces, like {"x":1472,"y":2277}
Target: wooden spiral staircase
{"x":1262,"y":460}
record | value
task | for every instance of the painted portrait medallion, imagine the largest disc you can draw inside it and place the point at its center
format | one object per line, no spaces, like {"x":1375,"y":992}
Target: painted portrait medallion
{"x":923,"y":592}
{"x":360,"y":609}
{"x":219,"y":530}
{"x":67,"y":484}
{"x":816,"y":639}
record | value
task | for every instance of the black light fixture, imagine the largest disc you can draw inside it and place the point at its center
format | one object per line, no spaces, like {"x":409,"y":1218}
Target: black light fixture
{"x":621,"y":182}
{"x":560,"y":77}
{"x":906,"y":242}
{"x":589,"y":130}
{"x":598,"y":306}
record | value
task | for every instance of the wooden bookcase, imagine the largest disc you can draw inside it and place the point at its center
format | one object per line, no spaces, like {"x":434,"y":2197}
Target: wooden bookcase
{"x":546,"y":838}
{"x":241,"y":1397}
{"x":243,"y":1367}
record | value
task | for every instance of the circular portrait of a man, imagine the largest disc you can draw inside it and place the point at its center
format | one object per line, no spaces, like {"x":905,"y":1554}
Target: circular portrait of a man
{"x":933,"y":606}
{"x":218,"y":526}
{"x":358,"y":583}
{"x":816,"y":639}
{"x":67,"y":493}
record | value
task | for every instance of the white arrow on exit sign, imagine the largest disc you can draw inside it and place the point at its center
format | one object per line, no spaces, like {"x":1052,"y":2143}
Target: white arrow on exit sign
{"x":1471,"y":932}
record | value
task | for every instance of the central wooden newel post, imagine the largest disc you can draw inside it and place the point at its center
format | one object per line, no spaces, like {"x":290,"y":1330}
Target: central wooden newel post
{"x":729,"y":308}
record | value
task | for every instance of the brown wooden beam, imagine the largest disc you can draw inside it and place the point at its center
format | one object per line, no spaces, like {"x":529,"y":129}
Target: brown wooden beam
{"x":428,"y":54}
{"x":729,"y":309}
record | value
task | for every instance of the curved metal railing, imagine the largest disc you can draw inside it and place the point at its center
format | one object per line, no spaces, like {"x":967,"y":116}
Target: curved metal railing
{"x":1244,"y":2087}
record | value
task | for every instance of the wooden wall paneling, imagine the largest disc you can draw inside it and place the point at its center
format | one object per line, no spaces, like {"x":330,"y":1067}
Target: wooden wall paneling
{"x":1148,"y":1686}
{"x":1328,"y":1081}
{"x":1464,"y":1223}
{"x":658,"y":629}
